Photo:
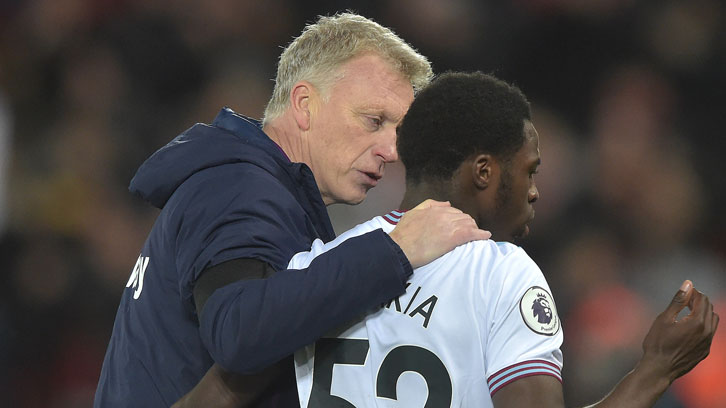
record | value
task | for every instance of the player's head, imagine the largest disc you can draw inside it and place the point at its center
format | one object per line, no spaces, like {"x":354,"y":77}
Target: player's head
{"x":346,"y":83}
{"x":468,"y":138}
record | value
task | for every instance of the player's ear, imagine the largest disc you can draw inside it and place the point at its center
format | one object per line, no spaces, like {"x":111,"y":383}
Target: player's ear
{"x":481,"y":168}
{"x":302,"y":99}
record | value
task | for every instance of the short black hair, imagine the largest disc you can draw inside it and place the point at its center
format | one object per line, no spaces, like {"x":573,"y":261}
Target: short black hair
{"x":457,"y":115}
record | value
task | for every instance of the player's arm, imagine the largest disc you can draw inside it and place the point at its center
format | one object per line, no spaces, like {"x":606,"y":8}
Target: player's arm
{"x":221,"y":389}
{"x":523,"y":334}
{"x":252,"y":322}
{"x":252,"y":315}
{"x":535,"y":391}
{"x":231,"y":254}
{"x":671,"y":349}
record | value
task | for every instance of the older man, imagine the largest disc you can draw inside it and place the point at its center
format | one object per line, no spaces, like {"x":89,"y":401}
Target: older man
{"x":239,"y":198}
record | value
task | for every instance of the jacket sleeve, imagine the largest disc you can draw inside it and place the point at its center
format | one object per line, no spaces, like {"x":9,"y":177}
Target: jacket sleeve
{"x":250,"y":324}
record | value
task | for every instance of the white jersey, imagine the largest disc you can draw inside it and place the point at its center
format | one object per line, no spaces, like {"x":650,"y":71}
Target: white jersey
{"x":471,"y":322}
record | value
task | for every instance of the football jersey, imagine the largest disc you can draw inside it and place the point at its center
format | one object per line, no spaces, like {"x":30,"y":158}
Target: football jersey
{"x":470,"y":322}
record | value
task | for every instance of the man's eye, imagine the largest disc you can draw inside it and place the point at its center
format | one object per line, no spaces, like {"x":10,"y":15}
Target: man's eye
{"x":375,"y":121}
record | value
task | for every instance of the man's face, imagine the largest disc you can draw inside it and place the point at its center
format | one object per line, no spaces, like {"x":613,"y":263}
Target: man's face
{"x":517,"y":191}
{"x":353,"y":134}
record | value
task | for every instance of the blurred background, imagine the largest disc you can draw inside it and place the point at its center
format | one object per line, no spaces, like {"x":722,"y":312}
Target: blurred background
{"x":628,"y":97}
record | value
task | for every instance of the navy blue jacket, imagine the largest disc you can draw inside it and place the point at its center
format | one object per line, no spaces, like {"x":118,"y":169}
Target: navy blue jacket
{"x":227,"y":191}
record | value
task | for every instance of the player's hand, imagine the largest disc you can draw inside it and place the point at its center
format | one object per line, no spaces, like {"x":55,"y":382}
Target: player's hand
{"x":432,"y":229}
{"x":673,"y":347}
{"x":215,"y":389}
{"x":223,"y":389}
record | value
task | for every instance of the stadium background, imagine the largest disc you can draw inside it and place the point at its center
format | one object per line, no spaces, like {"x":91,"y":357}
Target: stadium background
{"x":628,"y":97}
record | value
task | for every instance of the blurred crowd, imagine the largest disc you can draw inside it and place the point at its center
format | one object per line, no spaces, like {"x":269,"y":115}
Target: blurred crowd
{"x":628,"y":98}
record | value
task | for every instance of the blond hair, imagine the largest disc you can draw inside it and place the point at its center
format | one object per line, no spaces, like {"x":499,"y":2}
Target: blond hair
{"x":317,"y":54}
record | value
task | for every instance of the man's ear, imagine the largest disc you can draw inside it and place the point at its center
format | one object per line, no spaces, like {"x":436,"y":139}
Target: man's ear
{"x":482,"y":168}
{"x":302,"y":98}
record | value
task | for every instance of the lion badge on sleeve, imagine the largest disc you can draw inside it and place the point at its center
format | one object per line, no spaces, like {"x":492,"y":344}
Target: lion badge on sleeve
{"x":539,"y":311}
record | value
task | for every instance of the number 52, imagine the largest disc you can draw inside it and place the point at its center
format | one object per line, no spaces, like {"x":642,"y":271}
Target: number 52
{"x":331,"y":351}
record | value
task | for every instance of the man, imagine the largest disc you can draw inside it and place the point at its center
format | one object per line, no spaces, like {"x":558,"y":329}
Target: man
{"x":478,"y":326}
{"x":238,"y":199}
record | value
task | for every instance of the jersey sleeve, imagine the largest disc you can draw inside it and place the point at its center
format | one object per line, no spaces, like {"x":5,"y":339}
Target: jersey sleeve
{"x":249,"y":324}
{"x":524,"y":330}
{"x":304,"y":259}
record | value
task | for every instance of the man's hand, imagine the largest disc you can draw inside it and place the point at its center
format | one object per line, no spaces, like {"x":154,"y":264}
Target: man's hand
{"x":214,"y":390}
{"x":670,"y":349}
{"x":432,"y":229}
{"x":222,"y":389}
{"x":675,"y":346}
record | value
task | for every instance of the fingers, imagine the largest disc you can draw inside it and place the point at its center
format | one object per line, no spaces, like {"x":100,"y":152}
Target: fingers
{"x":698,"y":304}
{"x":686,"y":286}
{"x":433,"y":228}
{"x":473,"y":233}
{"x":468,"y":225}
{"x":715,"y":321}
{"x":682,"y":299}
{"x":707,"y":314}
{"x":702,"y":306}
{"x":702,"y":313}
{"x":481,"y":234}
{"x":428,"y":203}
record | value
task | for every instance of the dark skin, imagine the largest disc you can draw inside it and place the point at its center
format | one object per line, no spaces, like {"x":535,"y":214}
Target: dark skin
{"x":500,"y":195}
{"x":220,"y":388}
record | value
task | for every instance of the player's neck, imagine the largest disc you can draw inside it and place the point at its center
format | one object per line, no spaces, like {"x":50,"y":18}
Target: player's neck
{"x":416,"y":193}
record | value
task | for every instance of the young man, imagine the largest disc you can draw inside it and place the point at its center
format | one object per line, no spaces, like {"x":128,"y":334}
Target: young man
{"x":478,"y":326}
{"x":238,"y":199}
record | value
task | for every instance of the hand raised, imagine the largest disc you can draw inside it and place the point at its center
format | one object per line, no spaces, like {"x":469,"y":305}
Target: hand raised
{"x":673,"y":346}
{"x":432,"y":229}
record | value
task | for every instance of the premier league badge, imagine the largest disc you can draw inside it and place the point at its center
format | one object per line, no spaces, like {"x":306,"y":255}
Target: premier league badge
{"x":539,"y":311}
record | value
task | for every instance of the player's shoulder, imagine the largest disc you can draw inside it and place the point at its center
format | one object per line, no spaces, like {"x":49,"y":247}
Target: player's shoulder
{"x":302,"y":259}
{"x":492,"y":251}
{"x":365,"y":227}
{"x":492,"y":260}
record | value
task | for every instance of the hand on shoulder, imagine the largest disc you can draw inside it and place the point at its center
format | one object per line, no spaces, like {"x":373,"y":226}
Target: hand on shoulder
{"x":432,"y":229}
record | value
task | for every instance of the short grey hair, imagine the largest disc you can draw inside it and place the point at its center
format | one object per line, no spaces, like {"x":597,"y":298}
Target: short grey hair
{"x":323,"y":47}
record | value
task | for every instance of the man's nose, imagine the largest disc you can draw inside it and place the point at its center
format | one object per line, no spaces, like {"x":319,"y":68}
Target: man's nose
{"x":386,"y":147}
